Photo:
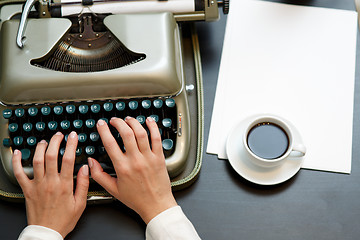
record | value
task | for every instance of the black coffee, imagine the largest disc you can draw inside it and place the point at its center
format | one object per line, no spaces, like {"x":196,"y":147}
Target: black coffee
{"x":268,"y":140}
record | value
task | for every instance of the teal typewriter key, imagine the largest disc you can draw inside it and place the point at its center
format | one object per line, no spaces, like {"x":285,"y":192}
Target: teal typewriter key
{"x":45,"y":110}
{"x":18,"y":140}
{"x":27,"y":127}
{"x":7,"y":113}
{"x":70,"y":109}
{"x":120,"y":106}
{"x":65,"y":124}
{"x":108,"y":106}
{"x":155,"y":117}
{"x":102,"y":149}
{"x":52,"y":125}
{"x":31,"y":141}
{"x":13,"y":127}
{"x":33,"y":111}
{"x":90,"y":123}
{"x":40,"y":126}
{"x":94,"y":136}
{"x":105,"y":120}
{"x":6,"y":142}
{"x":83,"y":109}
{"x":25,"y":154}
{"x":133,"y":105}
{"x":78,"y":123}
{"x":166,"y":122}
{"x":82,"y":137}
{"x":62,"y":151}
{"x":160,"y":131}
{"x":117,"y":136}
{"x":158,"y":103}
{"x":58,"y":110}
{"x":167,"y":144}
{"x":90,"y":150}
{"x":19,"y":112}
{"x":66,"y":137}
{"x":95,"y":108}
{"x":78,"y":151}
{"x":146,"y":104}
{"x":141,"y":119}
{"x":170,"y":102}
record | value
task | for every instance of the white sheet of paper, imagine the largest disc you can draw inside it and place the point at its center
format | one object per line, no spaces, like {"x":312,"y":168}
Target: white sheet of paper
{"x":117,"y":7}
{"x":297,"y":62}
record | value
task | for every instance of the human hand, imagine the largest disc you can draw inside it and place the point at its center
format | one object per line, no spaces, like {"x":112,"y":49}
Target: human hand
{"x":49,"y":197}
{"x":142,"y":182}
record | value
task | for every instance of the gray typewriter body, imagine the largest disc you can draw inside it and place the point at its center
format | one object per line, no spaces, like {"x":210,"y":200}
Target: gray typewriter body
{"x":135,"y":57}
{"x":159,"y":74}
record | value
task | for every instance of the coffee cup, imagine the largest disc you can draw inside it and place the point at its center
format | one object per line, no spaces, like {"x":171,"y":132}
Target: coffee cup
{"x":269,"y":141}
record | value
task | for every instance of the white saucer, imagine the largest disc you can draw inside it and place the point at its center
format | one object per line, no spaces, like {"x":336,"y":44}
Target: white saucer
{"x":260,"y":175}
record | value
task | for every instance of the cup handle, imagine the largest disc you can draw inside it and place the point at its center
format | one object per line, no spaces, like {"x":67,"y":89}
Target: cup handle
{"x":298,"y":150}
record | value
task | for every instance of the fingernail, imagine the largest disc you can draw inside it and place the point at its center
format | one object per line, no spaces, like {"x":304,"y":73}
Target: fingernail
{"x":90,"y":162}
{"x":128,"y":118}
{"x":150,"y":119}
{"x":100,"y":122}
{"x":72,"y":134}
{"x":58,"y":133}
{"x":43,"y":141}
{"x":85,"y":170}
{"x":113,"y":118}
{"x":16,"y":152}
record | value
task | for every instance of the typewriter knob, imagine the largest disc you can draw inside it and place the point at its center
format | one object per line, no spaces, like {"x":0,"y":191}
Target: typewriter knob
{"x":225,"y":5}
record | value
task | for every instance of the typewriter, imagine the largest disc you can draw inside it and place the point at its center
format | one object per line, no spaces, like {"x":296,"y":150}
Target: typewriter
{"x":66,"y":64}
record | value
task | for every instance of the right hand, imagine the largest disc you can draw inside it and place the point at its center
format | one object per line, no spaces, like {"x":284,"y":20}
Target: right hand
{"x":142,"y":182}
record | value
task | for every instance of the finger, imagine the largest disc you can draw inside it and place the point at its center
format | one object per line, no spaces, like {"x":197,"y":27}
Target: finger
{"x":82,"y":187}
{"x":140,"y":134}
{"x":155,"y":137}
{"x":101,"y":177}
{"x":68,"y":160}
{"x":126,"y":133}
{"x":51,"y":155}
{"x":108,"y":140}
{"x":38,"y":160}
{"x":19,"y":173}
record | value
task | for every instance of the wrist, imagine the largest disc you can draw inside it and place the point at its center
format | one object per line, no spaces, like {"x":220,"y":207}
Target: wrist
{"x":155,"y":209}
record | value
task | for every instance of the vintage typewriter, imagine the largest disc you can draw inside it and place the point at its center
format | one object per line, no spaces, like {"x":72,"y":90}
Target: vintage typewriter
{"x":65,"y":65}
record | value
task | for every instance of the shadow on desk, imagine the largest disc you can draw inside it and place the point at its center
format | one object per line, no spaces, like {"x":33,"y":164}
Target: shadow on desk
{"x":261,"y":190}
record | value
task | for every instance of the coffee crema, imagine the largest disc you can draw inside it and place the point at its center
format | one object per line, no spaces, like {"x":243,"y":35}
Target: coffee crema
{"x":268,"y":140}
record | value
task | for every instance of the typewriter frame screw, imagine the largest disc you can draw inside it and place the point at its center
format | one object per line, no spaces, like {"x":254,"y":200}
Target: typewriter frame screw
{"x":189,"y":88}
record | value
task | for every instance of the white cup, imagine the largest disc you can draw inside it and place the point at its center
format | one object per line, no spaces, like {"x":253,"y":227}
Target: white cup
{"x":294,"y":149}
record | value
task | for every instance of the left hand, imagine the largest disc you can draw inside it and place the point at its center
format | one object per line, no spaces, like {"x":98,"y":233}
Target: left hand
{"x":50,"y":200}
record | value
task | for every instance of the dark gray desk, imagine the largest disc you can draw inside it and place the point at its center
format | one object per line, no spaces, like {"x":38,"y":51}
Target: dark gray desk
{"x":221,"y":205}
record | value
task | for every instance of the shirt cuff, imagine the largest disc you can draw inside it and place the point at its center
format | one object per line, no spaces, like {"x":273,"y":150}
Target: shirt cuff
{"x":171,"y":224}
{"x":35,"y":232}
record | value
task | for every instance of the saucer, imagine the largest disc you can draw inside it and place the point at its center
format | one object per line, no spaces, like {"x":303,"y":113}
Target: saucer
{"x":241,"y":163}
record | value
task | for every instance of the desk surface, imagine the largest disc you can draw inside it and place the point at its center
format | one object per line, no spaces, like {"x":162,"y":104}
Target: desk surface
{"x":221,"y":205}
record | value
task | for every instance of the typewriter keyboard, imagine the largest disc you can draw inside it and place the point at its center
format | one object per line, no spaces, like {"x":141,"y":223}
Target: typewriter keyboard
{"x":29,"y":124}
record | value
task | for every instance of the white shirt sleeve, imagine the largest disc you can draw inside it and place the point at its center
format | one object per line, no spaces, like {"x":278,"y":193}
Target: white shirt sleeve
{"x":171,"y":224}
{"x":35,"y":232}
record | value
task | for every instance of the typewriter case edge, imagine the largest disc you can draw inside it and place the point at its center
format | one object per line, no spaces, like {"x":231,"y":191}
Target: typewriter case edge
{"x":193,"y":74}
